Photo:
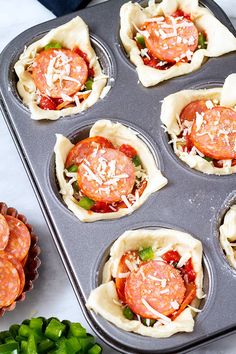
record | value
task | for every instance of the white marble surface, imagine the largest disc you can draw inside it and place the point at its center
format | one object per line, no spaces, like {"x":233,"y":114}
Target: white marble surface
{"x":15,"y":190}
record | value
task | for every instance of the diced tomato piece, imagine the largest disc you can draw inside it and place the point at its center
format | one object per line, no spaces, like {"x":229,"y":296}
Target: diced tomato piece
{"x":47,"y":103}
{"x":128,"y":150}
{"x":188,"y":270}
{"x":171,"y":256}
{"x":190,"y":294}
{"x":219,"y":163}
{"x":91,"y":72}
{"x":180,"y":13}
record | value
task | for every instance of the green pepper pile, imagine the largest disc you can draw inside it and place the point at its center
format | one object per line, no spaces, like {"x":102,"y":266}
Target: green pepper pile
{"x":51,"y":336}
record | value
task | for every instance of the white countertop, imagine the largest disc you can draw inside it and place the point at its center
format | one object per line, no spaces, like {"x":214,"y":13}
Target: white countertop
{"x":16,"y":191}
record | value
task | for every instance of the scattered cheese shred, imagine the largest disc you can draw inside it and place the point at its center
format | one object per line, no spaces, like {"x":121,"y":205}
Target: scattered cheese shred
{"x":155,"y":312}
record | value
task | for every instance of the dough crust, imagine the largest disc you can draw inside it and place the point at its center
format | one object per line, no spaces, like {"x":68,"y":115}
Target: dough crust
{"x":220,"y":39}
{"x":72,"y":34}
{"x":174,"y":104}
{"x":104,"y":299}
{"x":118,"y":134}
{"x":228,"y":235}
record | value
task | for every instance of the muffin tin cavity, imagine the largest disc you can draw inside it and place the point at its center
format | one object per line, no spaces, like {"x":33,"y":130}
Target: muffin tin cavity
{"x":208,"y":280}
{"x":217,"y":223}
{"x":82,"y":132}
{"x":166,"y":138}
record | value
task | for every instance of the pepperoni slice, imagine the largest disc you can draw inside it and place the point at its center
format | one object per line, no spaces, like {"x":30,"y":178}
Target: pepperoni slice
{"x":216,"y":136}
{"x":19,"y":239}
{"x":106,"y":175}
{"x":17,"y":264}
{"x":189,"y":296}
{"x":4,"y":232}
{"x":159,"y":284}
{"x":123,"y":269}
{"x":189,"y":111}
{"x":59,"y":71}
{"x":172,"y":39}
{"x":84,"y":148}
{"x":9,"y":283}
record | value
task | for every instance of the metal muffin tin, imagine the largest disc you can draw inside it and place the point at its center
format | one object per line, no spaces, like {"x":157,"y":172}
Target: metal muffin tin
{"x":191,"y":201}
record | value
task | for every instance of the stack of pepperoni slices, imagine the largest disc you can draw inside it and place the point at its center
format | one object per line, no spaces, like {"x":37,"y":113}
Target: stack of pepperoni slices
{"x":15,"y":242}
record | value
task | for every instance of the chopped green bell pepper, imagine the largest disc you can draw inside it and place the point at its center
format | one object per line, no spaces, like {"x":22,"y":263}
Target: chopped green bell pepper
{"x":45,"y":345}
{"x":96,"y":349}
{"x":146,"y":254}
{"x":76,"y":330}
{"x":136,"y":161}
{"x":31,"y":347}
{"x":202,"y":43}
{"x":89,"y":84}
{"x":86,"y":343}
{"x":52,"y":45}
{"x":149,"y":323}
{"x":86,"y":203}
{"x":209,"y":159}
{"x":72,"y":168}
{"x":54,"y":329}
{"x":12,"y":348}
{"x":128,"y":313}
{"x":36,"y":324}
{"x":141,"y":41}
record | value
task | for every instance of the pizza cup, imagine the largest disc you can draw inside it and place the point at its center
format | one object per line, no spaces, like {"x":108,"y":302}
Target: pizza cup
{"x":60,"y":74}
{"x":171,"y":38}
{"x":19,"y":260}
{"x":108,"y":175}
{"x":202,"y":127}
{"x":228,"y":235}
{"x":152,"y":283}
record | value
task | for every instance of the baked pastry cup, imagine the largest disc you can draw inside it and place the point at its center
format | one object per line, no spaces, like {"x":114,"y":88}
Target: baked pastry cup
{"x":73,"y":35}
{"x":117,"y":134}
{"x":132,"y":16}
{"x":228,"y":235}
{"x":104,"y":300}
{"x":171,"y":111}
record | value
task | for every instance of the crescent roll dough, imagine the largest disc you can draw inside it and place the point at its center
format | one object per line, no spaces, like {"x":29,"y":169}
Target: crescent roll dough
{"x":104,"y":299}
{"x":72,"y":34}
{"x":174,"y":104}
{"x":220,"y":39}
{"x":118,"y":134}
{"x":228,"y":235}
